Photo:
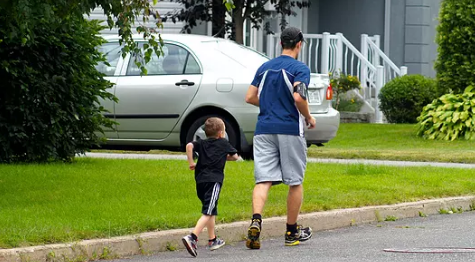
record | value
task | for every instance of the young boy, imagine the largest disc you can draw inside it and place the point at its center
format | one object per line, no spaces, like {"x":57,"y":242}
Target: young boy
{"x":209,"y":174}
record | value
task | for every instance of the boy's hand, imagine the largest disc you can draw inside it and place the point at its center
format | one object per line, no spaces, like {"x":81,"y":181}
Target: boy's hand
{"x":233,"y":157}
{"x":192,"y":166}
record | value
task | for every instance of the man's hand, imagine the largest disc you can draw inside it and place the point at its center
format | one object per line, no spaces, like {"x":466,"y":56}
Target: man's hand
{"x":192,"y":166}
{"x":310,"y":122}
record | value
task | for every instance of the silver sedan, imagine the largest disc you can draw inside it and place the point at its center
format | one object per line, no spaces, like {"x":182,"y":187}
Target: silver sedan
{"x":196,"y":77}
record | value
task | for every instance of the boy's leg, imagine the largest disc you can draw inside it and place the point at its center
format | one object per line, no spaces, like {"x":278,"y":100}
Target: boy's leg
{"x":210,"y":226}
{"x":208,"y":193}
{"x":214,"y":242}
{"x":191,"y":241}
{"x":202,"y":223}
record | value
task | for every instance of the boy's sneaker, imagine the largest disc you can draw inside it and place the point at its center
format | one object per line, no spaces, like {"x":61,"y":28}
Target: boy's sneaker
{"x":217,"y":243}
{"x":190,"y":245}
{"x":253,"y":234}
{"x":302,"y":234}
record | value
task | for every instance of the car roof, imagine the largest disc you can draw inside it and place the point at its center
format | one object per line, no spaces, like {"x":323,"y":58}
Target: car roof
{"x":185,"y":38}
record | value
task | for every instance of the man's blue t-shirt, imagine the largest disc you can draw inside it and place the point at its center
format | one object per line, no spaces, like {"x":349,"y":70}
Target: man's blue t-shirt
{"x":275,"y":80}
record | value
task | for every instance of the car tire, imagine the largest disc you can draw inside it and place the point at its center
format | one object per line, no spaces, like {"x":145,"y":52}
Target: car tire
{"x":230,"y":130}
{"x":248,"y":155}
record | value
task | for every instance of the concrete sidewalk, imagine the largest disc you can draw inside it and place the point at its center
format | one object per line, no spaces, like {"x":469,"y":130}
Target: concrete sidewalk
{"x":146,"y":243}
{"x":312,"y":160}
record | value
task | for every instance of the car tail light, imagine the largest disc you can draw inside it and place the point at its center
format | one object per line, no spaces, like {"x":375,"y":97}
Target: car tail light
{"x":329,"y":92}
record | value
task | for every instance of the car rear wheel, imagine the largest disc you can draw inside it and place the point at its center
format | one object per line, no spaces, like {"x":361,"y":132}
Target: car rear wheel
{"x":248,"y":155}
{"x":196,"y":130}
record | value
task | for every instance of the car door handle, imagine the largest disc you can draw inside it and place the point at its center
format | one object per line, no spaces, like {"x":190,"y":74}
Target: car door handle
{"x":185,"y":83}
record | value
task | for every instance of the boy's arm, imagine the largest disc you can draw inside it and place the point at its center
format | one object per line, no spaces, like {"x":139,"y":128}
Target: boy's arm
{"x":232,"y":153}
{"x":232,"y":157}
{"x":189,"y":156}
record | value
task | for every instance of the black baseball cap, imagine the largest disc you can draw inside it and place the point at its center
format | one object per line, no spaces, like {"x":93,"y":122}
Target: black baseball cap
{"x":291,"y":35}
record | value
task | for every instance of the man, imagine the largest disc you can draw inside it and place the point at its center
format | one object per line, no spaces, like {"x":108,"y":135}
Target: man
{"x":279,"y":89}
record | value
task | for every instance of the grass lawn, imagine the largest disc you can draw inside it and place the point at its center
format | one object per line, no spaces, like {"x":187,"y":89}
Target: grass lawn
{"x":380,"y":141}
{"x":392,"y":142}
{"x":95,"y":198}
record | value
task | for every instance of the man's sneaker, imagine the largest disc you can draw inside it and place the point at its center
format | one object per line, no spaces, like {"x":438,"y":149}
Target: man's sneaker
{"x":190,"y":245}
{"x":253,"y":234}
{"x":302,"y":234}
{"x":217,"y":243}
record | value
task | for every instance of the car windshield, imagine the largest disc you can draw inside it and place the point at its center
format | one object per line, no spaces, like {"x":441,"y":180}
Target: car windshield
{"x":244,"y":55}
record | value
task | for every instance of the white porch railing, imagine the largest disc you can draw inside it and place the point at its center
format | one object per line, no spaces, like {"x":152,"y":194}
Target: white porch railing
{"x":326,"y":53}
{"x":376,"y":56}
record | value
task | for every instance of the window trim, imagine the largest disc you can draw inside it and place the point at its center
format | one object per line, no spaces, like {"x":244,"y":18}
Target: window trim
{"x":118,"y":68}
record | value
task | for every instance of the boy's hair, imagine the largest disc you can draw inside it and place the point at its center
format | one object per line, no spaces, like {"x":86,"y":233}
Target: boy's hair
{"x":213,"y":126}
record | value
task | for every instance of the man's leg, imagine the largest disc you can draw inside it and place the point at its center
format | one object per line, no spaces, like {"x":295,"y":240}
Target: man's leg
{"x":259,"y":196}
{"x":267,"y":170}
{"x":294,"y":202}
{"x":294,"y":160}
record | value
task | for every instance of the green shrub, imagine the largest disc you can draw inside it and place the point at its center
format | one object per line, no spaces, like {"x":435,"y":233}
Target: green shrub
{"x":342,"y":83}
{"x":403,"y":98}
{"x":350,"y":104}
{"x":455,"y":64}
{"x":49,"y":106}
{"x":449,"y":117}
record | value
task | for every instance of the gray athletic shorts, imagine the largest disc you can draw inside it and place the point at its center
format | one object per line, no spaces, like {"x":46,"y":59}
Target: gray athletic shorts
{"x":280,"y":159}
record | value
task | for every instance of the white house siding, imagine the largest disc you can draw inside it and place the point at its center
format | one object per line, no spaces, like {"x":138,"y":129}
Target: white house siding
{"x":163,"y":7}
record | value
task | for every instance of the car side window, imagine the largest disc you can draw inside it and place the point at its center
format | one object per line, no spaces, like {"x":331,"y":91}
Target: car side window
{"x":192,"y":67}
{"x":112,"y":53}
{"x":175,"y":60}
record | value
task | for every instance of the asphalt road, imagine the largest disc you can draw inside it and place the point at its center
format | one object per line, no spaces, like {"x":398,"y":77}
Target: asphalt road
{"x":357,"y":243}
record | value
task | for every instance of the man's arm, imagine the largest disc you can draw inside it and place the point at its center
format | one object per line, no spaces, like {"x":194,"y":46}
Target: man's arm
{"x":252,"y":95}
{"x":302,"y":106}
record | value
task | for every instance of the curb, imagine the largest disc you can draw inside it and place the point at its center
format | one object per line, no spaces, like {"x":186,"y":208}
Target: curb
{"x":147,"y":243}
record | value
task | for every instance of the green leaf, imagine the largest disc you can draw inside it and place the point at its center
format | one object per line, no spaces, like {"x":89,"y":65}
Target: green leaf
{"x":229,"y":5}
{"x":468,"y":89}
{"x":455,"y":117}
{"x":446,"y":115}
{"x":464,"y":115}
{"x":468,"y":123}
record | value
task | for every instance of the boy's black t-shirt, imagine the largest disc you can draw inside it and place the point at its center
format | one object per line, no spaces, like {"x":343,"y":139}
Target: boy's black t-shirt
{"x":212,"y":154}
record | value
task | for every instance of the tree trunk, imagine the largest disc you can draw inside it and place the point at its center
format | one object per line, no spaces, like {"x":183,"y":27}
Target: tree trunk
{"x":337,"y":100}
{"x":218,"y":18}
{"x":238,"y":21}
